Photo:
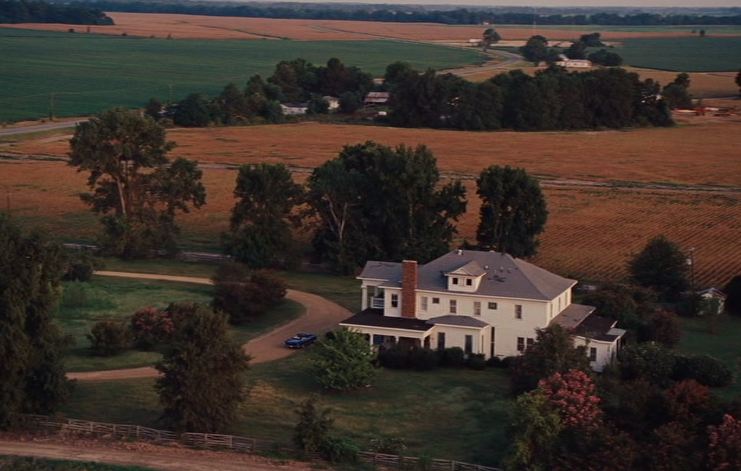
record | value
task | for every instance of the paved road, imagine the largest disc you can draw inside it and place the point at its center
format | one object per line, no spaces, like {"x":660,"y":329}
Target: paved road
{"x":321,"y":315}
{"x":150,"y":456}
{"x":38,"y":128}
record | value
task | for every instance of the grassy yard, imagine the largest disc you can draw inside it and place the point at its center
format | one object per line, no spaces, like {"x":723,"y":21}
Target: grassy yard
{"x":84,"y":304}
{"x":724,"y":344}
{"x":446,"y":413}
{"x":344,"y":290}
{"x":36,"y":464}
{"x":87,"y":73}
{"x":710,"y":54}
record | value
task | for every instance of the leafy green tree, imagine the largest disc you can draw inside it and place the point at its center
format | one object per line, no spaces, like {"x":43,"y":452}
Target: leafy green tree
{"x":108,"y":338}
{"x":313,"y":427}
{"x":536,"y":49}
{"x":513,"y":211}
{"x":676,"y":94}
{"x":375,"y":202}
{"x":536,"y":427}
{"x":153,"y":108}
{"x":202,"y":382}
{"x":490,"y":36}
{"x":243,"y":295}
{"x":577,"y":50}
{"x":606,"y":58}
{"x":317,"y":105}
{"x":733,"y":296}
{"x":233,"y":106}
{"x":260,"y":227}
{"x":135,"y":187}
{"x":591,"y":40}
{"x":650,"y":361}
{"x":194,"y":111}
{"x":344,"y":361}
{"x":350,"y":102}
{"x":399,"y":72}
{"x":553,"y":352}
{"x":32,"y":377}
{"x":661,"y":266}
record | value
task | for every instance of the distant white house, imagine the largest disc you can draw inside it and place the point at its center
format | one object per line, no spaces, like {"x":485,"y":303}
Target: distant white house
{"x":377,"y":98}
{"x":294,"y":109}
{"x":486,"y":303}
{"x":334,"y":102}
{"x":573,"y":63}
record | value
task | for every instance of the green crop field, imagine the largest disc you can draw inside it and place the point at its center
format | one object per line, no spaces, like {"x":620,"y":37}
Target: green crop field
{"x":88,"y":73}
{"x":710,"y":54}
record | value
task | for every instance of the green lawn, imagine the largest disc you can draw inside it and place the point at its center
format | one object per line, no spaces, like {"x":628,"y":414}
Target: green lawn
{"x":103,"y":298}
{"x":724,"y":344}
{"x":88,"y":73}
{"x":16,"y":463}
{"x":710,"y":54}
{"x":35,"y":464}
{"x":344,"y":290}
{"x":446,"y":413}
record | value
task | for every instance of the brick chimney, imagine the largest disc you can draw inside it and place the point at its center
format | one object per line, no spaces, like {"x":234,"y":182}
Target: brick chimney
{"x":409,"y":289}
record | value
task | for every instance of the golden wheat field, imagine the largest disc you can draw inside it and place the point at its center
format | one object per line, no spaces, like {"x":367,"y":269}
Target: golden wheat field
{"x":224,"y":27}
{"x":592,"y":231}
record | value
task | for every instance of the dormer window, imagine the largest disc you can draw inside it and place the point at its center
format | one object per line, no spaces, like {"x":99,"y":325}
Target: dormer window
{"x":455,"y":281}
{"x":469,"y":282}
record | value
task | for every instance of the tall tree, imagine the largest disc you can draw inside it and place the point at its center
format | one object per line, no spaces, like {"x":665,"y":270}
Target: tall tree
{"x":343,"y":361}
{"x":202,"y":371}
{"x":536,"y":427}
{"x":676,"y":94}
{"x":661,"y":266}
{"x":135,"y":187}
{"x":513,"y":211}
{"x":32,"y":377}
{"x":377,"y":202}
{"x":490,"y":36}
{"x":260,"y":228}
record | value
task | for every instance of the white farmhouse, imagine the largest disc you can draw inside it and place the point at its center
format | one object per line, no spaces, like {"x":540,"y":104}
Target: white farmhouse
{"x":483,"y":302}
{"x":573,"y":63}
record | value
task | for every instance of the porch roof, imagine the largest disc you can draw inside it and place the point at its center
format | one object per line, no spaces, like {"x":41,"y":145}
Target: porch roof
{"x":375,"y":318}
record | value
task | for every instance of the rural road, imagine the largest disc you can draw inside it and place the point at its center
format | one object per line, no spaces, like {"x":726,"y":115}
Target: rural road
{"x":321,"y":315}
{"x":39,"y":128}
{"x":151,"y":456}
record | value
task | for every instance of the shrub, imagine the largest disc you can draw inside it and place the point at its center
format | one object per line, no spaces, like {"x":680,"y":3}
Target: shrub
{"x":339,"y":450}
{"x":151,"y":326}
{"x":388,"y":445}
{"x":108,"y":338}
{"x":243,"y":296}
{"x":453,"y":357}
{"x":313,"y":427}
{"x":394,"y":358}
{"x":80,"y":267}
{"x":648,"y":360}
{"x":476,"y":362}
{"x":345,"y":362}
{"x":663,"y":328}
{"x":704,"y":369}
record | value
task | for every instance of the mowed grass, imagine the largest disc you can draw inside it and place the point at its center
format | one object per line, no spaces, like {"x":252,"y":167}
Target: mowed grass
{"x":105,"y":298}
{"x":446,"y":413}
{"x":38,"y":464}
{"x":695,"y":54}
{"x":80,"y":74}
{"x":721,"y":339}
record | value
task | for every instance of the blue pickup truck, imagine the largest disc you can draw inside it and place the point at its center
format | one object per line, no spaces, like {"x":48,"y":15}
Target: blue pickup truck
{"x":300,"y":340}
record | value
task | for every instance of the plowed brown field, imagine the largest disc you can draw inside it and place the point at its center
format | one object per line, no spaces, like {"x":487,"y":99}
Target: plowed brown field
{"x":224,"y":27}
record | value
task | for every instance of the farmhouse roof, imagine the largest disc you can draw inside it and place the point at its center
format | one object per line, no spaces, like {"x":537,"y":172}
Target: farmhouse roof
{"x":572,"y":316}
{"x":712,"y":292}
{"x":598,"y":328}
{"x":471,"y":268}
{"x":503,"y":275}
{"x":461,"y":321}
{"x":375,"y":318}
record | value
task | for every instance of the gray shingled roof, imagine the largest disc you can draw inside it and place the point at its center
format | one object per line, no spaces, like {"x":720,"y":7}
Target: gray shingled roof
{"x":572,"y":316}
{"x":505,"y":276}
{"x":598,"y":328}
{"x":462,"y":321}
{"x":471,"y":268}
{"x":375,"y":318}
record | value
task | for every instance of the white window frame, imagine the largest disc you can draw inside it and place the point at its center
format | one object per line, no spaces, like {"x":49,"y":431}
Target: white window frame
{"x":423,"y":303}
{"x":489,"y":306}
{"x":518,"y":311}
{"x":394,"y":300}
{"x":477,"y":308}
{"x":454,"y":306}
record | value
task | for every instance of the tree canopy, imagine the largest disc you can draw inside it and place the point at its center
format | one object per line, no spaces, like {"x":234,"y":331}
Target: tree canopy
{"x":202,"y":371}
{"x":513,"y":211}
{"x":375,"y":202}
{"x":260,"y":227}
{"x":135,"y":187}
{"x":36,"y":11}
{"x":661,"y":266}
{"x":343,"y":361}
{"x":32,"y":377}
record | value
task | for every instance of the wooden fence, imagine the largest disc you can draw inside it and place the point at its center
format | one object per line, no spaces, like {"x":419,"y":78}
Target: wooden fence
{"x":215,"y":441}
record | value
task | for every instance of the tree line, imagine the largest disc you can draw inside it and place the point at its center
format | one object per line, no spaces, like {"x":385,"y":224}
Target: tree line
{"x":553,"y":99}
{"x":406,"y":14}
{"x":37,"y":11}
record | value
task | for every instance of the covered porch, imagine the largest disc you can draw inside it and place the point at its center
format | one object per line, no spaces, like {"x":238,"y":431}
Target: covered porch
{"x":386,"y":331}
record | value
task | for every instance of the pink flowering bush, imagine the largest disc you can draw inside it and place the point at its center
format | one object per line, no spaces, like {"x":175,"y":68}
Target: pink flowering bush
{"x":151,"y":326}
{"x":573,"y":395}
{"x":724,"y":445}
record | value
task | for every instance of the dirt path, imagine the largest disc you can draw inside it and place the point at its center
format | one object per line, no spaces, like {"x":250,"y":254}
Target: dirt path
{"x":140,"y":454}
{"x":321,"y":315}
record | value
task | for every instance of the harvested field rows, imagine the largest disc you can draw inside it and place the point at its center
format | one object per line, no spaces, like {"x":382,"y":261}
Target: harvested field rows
{"x":590,"y":234}
{"x":700,"y":154}
{"x":223,"y":27}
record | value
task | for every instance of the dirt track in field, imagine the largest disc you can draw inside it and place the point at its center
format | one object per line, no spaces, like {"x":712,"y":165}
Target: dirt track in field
{"x":321,"y":315}
{"x":225,"y":27}
{"x":142,"y":454}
